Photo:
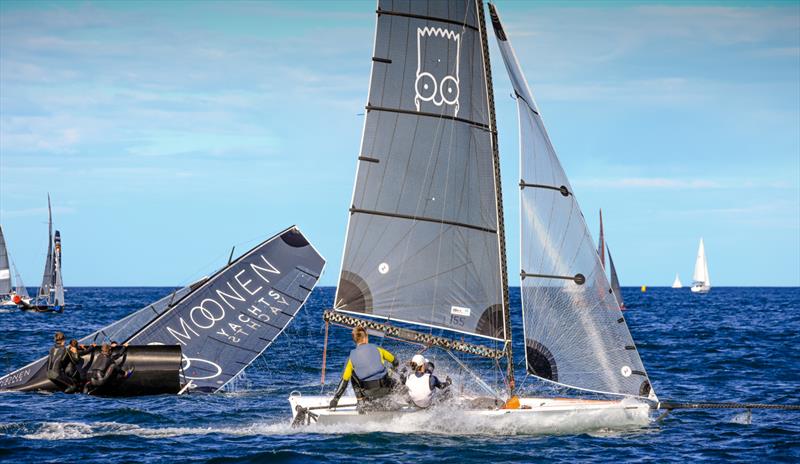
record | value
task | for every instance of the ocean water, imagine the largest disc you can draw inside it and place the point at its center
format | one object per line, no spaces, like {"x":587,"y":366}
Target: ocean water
{"x":734,"y":344}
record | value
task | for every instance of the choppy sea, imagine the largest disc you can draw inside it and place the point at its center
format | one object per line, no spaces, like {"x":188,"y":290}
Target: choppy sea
{"x":734,"y":344}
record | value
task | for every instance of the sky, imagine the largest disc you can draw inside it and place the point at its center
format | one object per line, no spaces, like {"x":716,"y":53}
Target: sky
{"x":167,"y":132}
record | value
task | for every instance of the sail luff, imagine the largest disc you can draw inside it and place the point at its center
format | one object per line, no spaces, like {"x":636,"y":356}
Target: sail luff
{"x":501,"y":234}
{"x":5,"y":269}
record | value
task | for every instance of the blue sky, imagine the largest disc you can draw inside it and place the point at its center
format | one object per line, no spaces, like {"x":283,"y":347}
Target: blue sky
{"x":168,"y":132}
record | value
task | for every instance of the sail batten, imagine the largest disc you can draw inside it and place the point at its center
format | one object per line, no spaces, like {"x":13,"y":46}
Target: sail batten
{"x":575,"y":334}
{"x":424,"y":238}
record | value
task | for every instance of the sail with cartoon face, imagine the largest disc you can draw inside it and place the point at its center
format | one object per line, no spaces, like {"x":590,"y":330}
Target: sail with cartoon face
{"x":424,"y":239}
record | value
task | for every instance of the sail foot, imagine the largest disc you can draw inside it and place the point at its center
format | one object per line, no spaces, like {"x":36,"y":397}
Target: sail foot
{"x":411,"y":336}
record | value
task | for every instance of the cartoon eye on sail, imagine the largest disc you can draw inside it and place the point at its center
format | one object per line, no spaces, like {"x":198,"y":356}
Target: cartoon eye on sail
{"x":436,"y":82}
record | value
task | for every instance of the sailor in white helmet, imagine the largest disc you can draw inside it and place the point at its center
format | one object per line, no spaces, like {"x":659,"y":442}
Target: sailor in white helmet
{"x":421,"y":383}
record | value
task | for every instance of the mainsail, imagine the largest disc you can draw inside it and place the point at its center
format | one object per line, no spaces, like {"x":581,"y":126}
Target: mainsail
{"x":425,"y":238}
{"x":5,"y":268}
{"x":700,"y":275}
{"x":615,"y":281}
{"x":48,"y":279}
{"x":575,"y":334}
{"x":57,"y":292}
{"x":224,"y":322}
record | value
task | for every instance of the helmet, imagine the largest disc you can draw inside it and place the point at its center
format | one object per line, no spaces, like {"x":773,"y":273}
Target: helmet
{"x":418,"y":359}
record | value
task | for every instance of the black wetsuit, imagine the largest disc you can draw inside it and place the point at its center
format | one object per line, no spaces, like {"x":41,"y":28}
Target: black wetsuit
{"x":57,"y":362}
{"x":103,"y":370}
{"x":76,"y":368}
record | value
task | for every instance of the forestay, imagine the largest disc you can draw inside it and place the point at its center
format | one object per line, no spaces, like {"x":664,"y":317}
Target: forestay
{"x":575,"y":334}
{"x":424,"y":239}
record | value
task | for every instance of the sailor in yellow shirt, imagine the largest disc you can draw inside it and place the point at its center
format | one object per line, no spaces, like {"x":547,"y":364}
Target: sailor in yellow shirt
{"x":366,"y":369}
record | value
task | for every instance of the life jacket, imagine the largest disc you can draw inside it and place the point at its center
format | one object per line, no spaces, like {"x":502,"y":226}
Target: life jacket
{"x":419,"y":389}
{"x":367,"y":362}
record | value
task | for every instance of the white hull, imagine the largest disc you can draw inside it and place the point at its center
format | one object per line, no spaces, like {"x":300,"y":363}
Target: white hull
{"x":700,"y":288}
{"x":7,"y":302}
{"x":542,"y":416}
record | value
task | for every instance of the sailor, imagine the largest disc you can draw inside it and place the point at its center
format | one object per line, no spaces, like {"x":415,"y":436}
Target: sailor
{"x":422,"y":383}
{"x":367,"y":369}
{"x":104,"y":369}
{"x":76,"y":368}
{"x":57,"y":361}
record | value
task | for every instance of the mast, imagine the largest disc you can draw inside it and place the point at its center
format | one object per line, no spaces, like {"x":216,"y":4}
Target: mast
{"x":501,"y":233}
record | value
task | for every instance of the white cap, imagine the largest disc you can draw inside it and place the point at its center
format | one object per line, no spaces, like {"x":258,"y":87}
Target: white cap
{"x":418,"y":359}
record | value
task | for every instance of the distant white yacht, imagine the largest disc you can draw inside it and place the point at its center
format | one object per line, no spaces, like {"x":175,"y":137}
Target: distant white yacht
{"x":677,"y":283}
{"x":702,"y":281}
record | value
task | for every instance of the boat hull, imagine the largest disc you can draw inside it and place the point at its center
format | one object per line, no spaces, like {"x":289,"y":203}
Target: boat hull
{"x":536,"y":415}
{"x":700,"y":289}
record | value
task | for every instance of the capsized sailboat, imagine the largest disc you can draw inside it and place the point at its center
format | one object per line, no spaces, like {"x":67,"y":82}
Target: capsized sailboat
{"x":50,"y":297}
{"x":701,"y":280}
{"x":10,"y":294}
{"x":677,"y":282}
{"x":220,"y":324}
{"x":425,"y":242}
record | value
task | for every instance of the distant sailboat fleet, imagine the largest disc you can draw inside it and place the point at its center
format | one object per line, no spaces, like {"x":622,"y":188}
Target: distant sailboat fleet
{"x":50,"y":296}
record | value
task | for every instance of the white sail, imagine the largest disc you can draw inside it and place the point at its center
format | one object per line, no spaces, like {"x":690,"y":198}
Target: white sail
{"x":701,"y":280}
{"x":575,"y":334}
{"x":677,"y":283}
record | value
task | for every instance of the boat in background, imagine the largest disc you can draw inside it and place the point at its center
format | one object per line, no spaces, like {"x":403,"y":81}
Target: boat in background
{"x":677,"y":283}
{"x":615,"y":281}
{"x":10,"y":295}
{"x":51,"y":293}
{"x":214,"y":328}
{"x":702,"y":281}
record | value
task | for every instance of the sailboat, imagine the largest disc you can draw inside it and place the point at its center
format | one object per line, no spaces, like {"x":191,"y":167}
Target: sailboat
{"x":425,"y":243}
{"x":218,"y":324}
{"x":615,"y":288}
{"x":50,"y":297}
{"x":10,"y":295}
{"x":677,"y":282}
{"x":701,"y":280}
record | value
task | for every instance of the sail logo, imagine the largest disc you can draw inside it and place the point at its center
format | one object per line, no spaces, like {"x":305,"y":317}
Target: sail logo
{"x":444,"y":90}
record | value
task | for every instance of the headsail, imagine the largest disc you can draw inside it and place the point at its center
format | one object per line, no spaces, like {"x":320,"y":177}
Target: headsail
{"x":425,"y":237}
{"x":19,"y":286}
{"x":575,"y":334}
{"x":5,"y":268}
{"x":48,"y":277}
{"x":601,"y":249}
{"x":224,"y":322}
{"x":615,"y":281}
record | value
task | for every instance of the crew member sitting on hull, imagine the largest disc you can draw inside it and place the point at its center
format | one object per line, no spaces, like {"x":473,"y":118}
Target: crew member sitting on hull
{"x":422,"y":383}
{"x":57,"y":362}
{"x":104,"y":370}
{"x":367,"y":369}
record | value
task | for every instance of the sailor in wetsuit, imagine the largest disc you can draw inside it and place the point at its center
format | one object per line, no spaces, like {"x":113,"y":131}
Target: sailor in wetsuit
{"x":76,"y":367}
{"x":422,"y":384}
{"x":104,"y":369}
{"x":57,"y":361}
{"x":367,"y":370}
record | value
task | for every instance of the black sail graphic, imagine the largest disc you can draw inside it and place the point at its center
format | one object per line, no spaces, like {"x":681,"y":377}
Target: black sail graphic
{"x":575,"y":334}
{"x":221,"y":323}
{"x":423,"y":239}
